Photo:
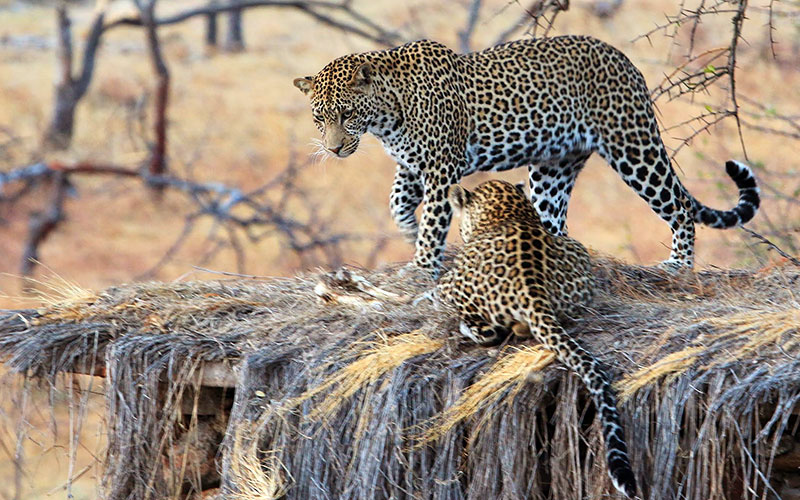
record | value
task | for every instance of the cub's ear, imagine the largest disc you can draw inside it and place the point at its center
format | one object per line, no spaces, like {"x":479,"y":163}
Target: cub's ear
{"x":362,"y":78}
{"x":458,"y":197}
{"x":305,"y":85}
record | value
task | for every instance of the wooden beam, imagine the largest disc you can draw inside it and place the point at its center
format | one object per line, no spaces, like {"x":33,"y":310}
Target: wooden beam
{"x":221,"y":374}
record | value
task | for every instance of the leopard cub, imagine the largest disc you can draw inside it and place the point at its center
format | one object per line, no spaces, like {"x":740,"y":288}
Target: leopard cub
{"x":513,"y":275}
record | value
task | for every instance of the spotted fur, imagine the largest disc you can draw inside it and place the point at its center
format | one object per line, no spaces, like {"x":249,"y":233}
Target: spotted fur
{"x":546,"y":103}
{"x":513,"y":275}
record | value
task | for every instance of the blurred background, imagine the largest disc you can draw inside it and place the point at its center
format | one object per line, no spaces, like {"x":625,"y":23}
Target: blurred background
{"x":235,"y":127}
{"x":144,"y":139}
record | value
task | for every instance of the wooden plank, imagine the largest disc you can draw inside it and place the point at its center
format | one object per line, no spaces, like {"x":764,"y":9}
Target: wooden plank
{"x":212,"y":374}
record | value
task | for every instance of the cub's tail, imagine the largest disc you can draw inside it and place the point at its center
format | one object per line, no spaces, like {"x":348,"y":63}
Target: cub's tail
{"x":549,"y":332}
{"x":749,"y":200}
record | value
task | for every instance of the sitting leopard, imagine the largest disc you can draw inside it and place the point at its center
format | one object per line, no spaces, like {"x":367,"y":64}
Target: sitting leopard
{"x":547,"y":103}
{"x":512,"y":275}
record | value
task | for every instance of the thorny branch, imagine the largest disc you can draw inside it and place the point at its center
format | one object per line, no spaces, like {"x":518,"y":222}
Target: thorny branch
{"x":763,"y":239}
{"x":699,"y":72}
{"x":716,"y":67}
{"x":738,"y":21}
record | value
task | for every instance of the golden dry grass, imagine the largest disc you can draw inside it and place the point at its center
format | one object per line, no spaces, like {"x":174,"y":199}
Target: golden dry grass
{"x":761,"y":329}
{"x":496,"y":389}
{"x":262,"y":474}
{"x":374,"y":359}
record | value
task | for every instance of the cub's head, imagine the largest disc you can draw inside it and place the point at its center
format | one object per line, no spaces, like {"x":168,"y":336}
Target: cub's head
{"x":492,"y":203}
{"x":341,"y":95}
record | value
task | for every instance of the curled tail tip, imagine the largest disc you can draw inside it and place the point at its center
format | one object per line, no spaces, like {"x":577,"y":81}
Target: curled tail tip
{"x":741,"y":174}
{"x":746,"y":208}
{"x":749,"y":194}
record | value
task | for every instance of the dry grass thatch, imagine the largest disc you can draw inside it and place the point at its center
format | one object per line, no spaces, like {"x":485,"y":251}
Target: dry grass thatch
{"x":380,"y":398}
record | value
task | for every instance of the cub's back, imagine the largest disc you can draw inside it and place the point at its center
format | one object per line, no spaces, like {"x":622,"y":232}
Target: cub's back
{"x":519,"y":259}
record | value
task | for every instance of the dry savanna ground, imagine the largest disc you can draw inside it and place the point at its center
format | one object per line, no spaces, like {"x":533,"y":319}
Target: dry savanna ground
{"x":237,"y":119}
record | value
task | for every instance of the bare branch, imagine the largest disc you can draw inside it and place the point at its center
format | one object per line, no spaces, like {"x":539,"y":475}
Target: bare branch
{"x":90,"y":51}
{"x":738,"y":20}
{"x":684,"y":17}
{"x":771,"y":113}
{"x":64,"y":47}
{"x":211,"y":26}
{"x":465,"y":35}
{"x":370,"y":31}
{"x":69,"y":89}
{"x":777,"y":13}
{"x":236,"y":214}
{"x":535,"y":17}
{"x":770,"y":130}
{"x":773,"y":246}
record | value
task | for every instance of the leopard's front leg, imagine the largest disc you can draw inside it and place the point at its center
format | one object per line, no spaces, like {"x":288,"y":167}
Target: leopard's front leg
{"x":407,"y":192}
{"x":436,"y":215}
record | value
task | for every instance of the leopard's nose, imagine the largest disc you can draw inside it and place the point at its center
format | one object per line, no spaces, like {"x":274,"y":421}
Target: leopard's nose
{"x":336,"y":149}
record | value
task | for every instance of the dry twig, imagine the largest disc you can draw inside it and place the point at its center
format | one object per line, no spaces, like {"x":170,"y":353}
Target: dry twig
{"x":254,"y":214}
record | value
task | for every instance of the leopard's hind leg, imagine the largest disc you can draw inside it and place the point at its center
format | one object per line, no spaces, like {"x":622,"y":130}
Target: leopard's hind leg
{"x":551,"y":184}
{"x":641,"y":159}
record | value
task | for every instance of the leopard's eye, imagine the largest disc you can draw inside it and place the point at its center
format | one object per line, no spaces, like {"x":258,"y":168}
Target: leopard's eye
{"x":347,"y":113}
{"x":319,"y":118}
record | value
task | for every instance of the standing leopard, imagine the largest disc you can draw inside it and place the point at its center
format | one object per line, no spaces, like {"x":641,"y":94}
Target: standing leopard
{"x":546,"y":103}
{"x":513,"y":275}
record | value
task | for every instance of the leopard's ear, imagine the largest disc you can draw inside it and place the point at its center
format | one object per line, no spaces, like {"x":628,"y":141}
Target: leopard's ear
{"x":458,"y":197}
{"x":305,"y":84}
{"x":362,"y":78}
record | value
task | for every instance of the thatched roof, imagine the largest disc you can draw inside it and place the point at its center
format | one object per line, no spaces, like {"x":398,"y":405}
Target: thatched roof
{"x":346,"y":394}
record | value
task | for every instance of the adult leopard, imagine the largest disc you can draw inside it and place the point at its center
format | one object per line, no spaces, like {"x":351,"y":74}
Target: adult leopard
{"x":547,"y":103}
{"x":512,"y":275}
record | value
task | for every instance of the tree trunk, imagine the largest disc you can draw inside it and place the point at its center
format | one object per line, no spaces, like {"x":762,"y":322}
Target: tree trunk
{"x":158,"y":158}
{"x":70,"y":89}
{"x":158,"y":162}
{"x":235,"y":40}
{"x":43,"y":223}
{"x":211,"y":27}
{"x":59,"y":133}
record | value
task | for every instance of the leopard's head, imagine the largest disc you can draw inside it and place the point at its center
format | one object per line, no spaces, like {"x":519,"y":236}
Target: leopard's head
{"x":341,"y":102}
{"x":490,"y":204}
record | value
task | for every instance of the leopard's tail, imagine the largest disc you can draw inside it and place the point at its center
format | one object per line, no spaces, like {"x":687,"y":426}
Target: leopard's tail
{"x":549,"y":332}
{"x":749,"y":200}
